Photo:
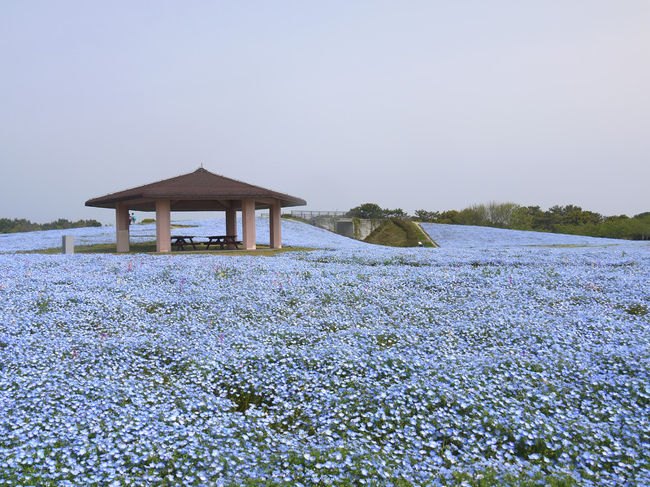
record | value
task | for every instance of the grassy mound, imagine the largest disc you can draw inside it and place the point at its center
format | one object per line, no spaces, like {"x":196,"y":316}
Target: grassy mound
{"x":396,"y":232}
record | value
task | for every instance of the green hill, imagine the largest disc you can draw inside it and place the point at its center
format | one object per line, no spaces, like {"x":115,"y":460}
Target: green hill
{"x":395,"y":232}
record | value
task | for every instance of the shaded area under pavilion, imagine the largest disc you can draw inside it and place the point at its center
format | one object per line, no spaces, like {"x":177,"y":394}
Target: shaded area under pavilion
{"x":200,"y":190}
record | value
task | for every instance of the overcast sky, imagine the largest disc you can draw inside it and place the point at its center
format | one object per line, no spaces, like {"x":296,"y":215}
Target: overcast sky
{"x":413,"y":104}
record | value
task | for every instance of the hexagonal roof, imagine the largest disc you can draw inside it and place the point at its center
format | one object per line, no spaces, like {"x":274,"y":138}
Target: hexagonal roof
{"x":195,"y":191}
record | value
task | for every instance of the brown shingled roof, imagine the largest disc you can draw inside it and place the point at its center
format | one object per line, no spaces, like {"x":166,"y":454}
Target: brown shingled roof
{"x":198,"y":190}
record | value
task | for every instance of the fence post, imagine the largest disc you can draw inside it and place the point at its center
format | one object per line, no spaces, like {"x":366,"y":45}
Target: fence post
{"x":67,"y":244}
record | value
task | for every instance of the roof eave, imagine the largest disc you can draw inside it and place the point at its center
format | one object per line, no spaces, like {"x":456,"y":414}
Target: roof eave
{"x":104,"y":202}
{"x":285,"y":200}
{"x":296,"y":202}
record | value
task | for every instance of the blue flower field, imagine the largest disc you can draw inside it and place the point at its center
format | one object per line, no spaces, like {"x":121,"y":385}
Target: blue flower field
{"x":496,"y":359}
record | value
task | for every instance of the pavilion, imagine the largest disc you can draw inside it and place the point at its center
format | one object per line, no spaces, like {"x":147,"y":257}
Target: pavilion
{"x":200,"y":190}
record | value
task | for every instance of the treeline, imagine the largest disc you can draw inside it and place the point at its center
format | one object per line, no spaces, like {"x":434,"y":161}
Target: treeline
{"x":558,"y":219}
{"x":16,"y":225}
{"x":569,"y":219}
{"x":372,"y":211}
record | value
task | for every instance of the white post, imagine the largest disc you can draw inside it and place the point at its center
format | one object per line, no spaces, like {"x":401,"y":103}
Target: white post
{"x":67,"y":244}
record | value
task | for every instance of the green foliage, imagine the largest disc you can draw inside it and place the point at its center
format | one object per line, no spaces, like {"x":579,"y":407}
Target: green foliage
{"x":637,"y":310}
{"x":16,"y":225}
{"x":224,"y":272}
{"x":493,"y":214}
{"x":396,"y":213}
{"x":427,"y":216}
{"x":449,"y":216}
{"x":501,"y":214}
{"x":396,"y":232}
{"x":366,"y":210}
{"x":474,"y":215}
{"x":372,"y":211}
{"x":569,"y":219}
{"x":43,"y":305}
{"x":491,"y":477}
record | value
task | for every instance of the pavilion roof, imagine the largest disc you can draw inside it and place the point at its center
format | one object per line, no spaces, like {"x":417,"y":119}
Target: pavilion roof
{"x":198,"y":190}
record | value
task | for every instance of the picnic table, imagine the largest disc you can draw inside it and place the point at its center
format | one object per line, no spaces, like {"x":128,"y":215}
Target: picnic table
{"x":181,"y":240}
{"x":227,"y":241}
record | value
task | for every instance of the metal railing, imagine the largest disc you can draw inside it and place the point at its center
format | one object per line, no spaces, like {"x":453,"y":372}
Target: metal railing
{"x":315,"y":214}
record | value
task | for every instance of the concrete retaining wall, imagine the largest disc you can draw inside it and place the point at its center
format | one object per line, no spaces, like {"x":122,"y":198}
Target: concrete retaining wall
{"x":349,"y":227}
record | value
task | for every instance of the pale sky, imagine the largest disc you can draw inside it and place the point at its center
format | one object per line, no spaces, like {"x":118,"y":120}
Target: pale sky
{"x":413,"y":104}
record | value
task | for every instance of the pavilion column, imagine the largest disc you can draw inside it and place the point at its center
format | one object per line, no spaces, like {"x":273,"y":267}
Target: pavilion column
{"x":248,"y":223}
{"x":231,"y":222}
{"x":163,"y":226}
{"x":122,"y":227}
{"x":275,"y":224}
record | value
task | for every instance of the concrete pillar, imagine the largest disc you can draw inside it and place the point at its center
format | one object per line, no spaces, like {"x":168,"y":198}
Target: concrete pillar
{"x":231,"y":222}
{"x":275,"y":225}
{"x":163,"y":226}
{"x":122,"y":227}
{"x":248,"y":223}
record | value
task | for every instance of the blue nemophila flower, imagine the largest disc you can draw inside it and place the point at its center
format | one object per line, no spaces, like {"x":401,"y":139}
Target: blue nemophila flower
{"x":350,"y":364}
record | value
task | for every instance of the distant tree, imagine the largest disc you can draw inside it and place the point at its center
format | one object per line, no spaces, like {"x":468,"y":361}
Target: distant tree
{"x":474,"y":215}
{"x":570,"y":219}
{"x":571,"y":209}
{"x":396,"y":213}
{"x":501,"y":214}
{"x":449,"y":216}
{"x":557,"y":210}
{"x":21,"y":225}
{"x":372,"y":210}
{"x":427,"y":216}
{"x":366,"y":210}
{"x":524,"y":217}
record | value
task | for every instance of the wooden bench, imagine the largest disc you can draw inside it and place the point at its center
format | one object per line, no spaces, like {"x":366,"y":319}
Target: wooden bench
{"x":227,"y":241}
{"x":179,"y":241}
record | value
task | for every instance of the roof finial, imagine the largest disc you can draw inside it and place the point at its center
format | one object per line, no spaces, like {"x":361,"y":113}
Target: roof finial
{"x":201,"y":165}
